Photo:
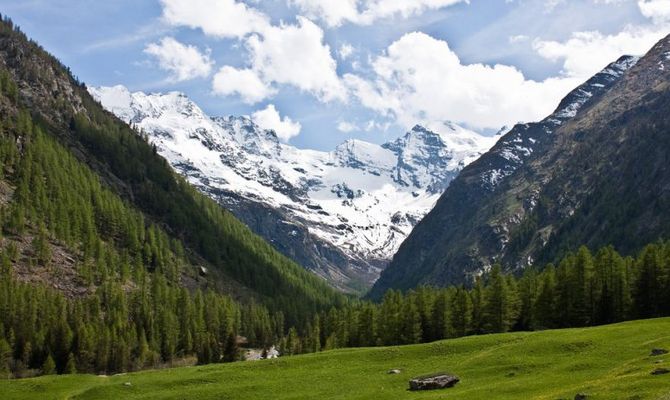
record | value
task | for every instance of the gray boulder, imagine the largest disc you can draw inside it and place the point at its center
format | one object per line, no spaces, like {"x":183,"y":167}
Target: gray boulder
{"x":432,"y":382}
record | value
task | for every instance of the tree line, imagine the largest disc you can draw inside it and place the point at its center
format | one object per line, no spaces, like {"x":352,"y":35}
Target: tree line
{"x":584,"y":289}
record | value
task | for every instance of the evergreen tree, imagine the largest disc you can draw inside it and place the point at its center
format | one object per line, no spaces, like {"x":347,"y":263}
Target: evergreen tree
{"x":500,"y":309}
{"x":461,"y":320}
{"x":49,"y":366}
{"x":544,"y":310}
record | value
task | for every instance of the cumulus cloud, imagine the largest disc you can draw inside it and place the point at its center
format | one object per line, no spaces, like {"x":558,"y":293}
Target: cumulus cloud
{"x":657,"y":10}
{"x":269,"y":118}
{"x":220,"y":18}
{"x":346,"y":126}
{"x":420,"y":79}
{"x":296,"y":55}
{"x":284,"y":54}
{"x":183,"y":62}
{"x":365,"y":12}
{"x":345,"y":51}
{"x":585,"y":53}
{"x":245,"y":83}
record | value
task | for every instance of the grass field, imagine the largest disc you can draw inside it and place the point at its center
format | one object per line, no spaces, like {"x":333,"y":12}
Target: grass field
{"x":610,"y":362}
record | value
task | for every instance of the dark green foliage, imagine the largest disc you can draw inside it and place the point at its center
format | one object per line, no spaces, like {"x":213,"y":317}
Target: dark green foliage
{"x":186,"y":223}
{"x":49,"y":367}
{"x":135,"y":313}
{"x":204,"y":226}
{"x":585,"y":290}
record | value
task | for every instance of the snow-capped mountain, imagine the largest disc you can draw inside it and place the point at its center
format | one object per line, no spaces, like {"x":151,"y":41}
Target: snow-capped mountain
{"x":518,"y":143}
{"x":496,"y":210}
{"x":342,"y":214}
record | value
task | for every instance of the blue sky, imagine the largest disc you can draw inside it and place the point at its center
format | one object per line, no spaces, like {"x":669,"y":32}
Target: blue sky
{"x":322,"y":71}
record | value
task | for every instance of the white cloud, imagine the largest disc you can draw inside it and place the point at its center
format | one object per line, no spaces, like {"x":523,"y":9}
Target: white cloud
{"x":345,"y":51}
{"x":269,"y":118}
{"x":517,"y":39}
{"x":585,"y":53}
{"x":657,"y":10}
{"x":286,"y":54}
{"x":231,"y":81}
{"x":220,"y":18}
{"x":296,"y":55}
{"x":365,"y":12}
{"x":184,"y":62}
{"x":346,"y":126}
{"x":420,"y":79}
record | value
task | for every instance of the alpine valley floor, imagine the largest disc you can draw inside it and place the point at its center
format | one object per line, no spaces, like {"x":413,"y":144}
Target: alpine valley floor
{"x":608,"y":362}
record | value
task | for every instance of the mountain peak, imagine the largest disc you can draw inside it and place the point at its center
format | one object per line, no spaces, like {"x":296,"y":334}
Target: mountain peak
{"x":349,"y":207}
{"x":542,"y":188}
{"x":577,"y":98}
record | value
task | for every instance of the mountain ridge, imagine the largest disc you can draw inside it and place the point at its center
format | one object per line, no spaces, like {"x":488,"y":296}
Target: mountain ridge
{"x":472,"y":224}
{"x":341,"y":214}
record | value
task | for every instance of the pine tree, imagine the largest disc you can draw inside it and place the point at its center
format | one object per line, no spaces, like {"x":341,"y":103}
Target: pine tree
{"x":584,"y":288}
{"x":461,"y":320}
{"x":544,"y":310}
{"x":231,"y":350}
{"x":49,"y":366}
{"x":500,"y":309}
{"x":648,"y":285}
{"x":440,"y":316}
{"x":5,"y":359}
{"x":70,"y":366}
{"x":410,"y":328}
{"x":478,"y":301}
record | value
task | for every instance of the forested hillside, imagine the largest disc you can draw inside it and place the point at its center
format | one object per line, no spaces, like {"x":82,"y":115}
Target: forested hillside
{"x":110,"y":262}
{"x":584,"y":289}
{"x":130,"y":167}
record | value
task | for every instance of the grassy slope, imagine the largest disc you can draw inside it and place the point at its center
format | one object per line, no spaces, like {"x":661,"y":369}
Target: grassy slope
{"x":610,"y":362}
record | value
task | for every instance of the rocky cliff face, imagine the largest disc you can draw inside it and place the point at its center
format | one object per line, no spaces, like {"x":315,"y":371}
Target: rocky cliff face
{"x":519,"y":203}
{"x":341,"y":214}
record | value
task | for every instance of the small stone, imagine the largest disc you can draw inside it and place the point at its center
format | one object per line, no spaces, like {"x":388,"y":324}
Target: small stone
{"x":581,"y":396}
{"x":394,"y":371}
{"x":127,"y":384}
{"x":431,"y":382}
{"x":658,"y":352}
{"x":660,"y":371}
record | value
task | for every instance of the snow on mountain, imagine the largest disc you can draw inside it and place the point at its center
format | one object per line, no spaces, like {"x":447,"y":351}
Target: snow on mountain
{"x":521,"y":141}
{"x":361,"y":199}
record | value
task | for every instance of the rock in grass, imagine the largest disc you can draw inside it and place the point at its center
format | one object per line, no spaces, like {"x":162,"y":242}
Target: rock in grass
{"x":394,"y":371}
{"x":660,"y":371}
{"x":432,"y":382}
{"x":658,"y":352}
{"x":581,"y":396}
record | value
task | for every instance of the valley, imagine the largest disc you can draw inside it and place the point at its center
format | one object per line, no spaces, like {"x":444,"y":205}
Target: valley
{"x":205,"y":235}
{"x":610,"y":362}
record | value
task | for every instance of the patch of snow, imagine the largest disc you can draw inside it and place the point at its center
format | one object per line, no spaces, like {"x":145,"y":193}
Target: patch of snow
{"x":351,"y":197}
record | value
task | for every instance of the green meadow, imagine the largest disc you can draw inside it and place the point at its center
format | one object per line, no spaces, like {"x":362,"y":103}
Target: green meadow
{"x":608,"y":362}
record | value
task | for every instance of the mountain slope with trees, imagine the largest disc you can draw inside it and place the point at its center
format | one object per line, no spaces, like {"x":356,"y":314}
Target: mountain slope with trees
{"x":598,"y":178}
{"x":110,"y":261}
